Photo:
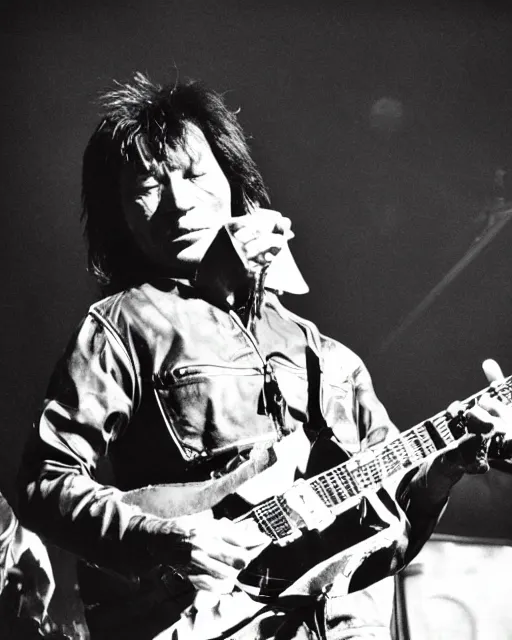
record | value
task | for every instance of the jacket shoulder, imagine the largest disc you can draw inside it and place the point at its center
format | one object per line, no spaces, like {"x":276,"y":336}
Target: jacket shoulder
{"x":336,"y":357}
{"x":141,"y":306}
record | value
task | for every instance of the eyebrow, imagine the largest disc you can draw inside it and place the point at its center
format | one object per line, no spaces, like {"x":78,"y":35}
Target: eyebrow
{"x":176,"y":159}
{"x":183,"y":162}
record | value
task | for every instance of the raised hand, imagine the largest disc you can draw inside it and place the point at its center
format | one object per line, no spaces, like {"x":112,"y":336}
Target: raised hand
{"x":500,"y":412}
{"x":488,"y":419}
{"x":260,"y":236}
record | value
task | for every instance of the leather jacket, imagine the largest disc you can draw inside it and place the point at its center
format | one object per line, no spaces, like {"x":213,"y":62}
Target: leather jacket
{"x":169,"y":388}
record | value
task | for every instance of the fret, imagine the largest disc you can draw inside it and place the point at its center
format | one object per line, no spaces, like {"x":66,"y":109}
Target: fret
{"x":391,"y":462}
{"x":373,"y":472}
{"x":383,"y":469}
{"x":347,"y":480}
{"x":368,"y":475}
{"x":446,"y":434}
{"x":359,"y":477}
{"x":441,"y":428}
{"x":417,"y":445}
{"x":421,"y":443}
{"x":377,"y":471}
{"x":336,"y":492}
{"x":401,"y":451}
{"x":428,"y":444}
{"x":320,"y":491}
{"x":328,"y":489}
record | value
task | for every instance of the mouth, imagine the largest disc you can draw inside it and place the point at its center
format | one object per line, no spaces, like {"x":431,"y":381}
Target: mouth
{"x":194,"y":235}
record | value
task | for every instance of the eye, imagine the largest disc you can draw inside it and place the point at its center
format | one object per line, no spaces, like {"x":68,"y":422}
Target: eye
{"x":148,"y":190}
{"x":193,"y":174}
{"x":147,"y":187}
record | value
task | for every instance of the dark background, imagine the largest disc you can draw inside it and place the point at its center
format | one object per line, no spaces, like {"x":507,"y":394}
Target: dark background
{"x":379,"y":131}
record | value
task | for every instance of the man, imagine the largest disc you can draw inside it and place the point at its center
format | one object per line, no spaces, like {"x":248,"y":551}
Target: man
{"x":191,"y":373}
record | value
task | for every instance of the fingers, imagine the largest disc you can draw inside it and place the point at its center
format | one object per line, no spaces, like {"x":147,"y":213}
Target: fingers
{"x":263,"y":220}
{"x":260,"y":236}
{"x":470,"y":454}
{"x":496,"y":408}
{"x":455,"y":408}
{"x":263,"y":249}
{"x":220,"y":550}
{"x":204,"y":579}
{"x":487,"y":417}
{"x":492,"y":370}
{"x":479,"y":420}
{"x":484,"y":416}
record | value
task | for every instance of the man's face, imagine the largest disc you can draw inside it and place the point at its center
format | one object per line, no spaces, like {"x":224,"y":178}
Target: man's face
{"x":174,"y":214}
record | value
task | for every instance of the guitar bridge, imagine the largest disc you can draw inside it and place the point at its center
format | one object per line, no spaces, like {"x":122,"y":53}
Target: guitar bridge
{"x":285,"y":540}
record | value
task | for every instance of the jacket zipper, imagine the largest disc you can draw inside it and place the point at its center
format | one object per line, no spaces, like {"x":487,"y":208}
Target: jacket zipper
{"x":182,"y":374}
{"x":193,"y":370}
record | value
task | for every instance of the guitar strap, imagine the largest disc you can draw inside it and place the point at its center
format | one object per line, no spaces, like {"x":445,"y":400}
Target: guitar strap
{"x":316,"y":426}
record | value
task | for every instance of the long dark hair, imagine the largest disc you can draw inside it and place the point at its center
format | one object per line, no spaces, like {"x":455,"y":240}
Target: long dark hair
{"x":140,"y":120}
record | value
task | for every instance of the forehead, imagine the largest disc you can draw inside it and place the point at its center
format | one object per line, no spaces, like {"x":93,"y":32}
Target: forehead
{"x":190,"y":150}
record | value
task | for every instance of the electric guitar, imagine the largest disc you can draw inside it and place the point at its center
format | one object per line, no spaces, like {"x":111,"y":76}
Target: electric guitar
{"x":338,"y":521}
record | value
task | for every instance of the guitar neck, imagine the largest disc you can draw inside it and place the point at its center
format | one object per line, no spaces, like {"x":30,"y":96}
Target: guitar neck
{"x":368,"y":470}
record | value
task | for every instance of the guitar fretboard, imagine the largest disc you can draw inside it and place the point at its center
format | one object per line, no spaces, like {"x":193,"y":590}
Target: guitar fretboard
{"x":369,"y":470}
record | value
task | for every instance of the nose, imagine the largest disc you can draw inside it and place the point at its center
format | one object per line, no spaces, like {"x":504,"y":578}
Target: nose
{"x":178,"y":193}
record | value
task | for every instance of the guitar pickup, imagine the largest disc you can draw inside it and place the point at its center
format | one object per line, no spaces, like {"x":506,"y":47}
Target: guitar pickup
{"x":306,"y":508}
{"x":291,"y":537}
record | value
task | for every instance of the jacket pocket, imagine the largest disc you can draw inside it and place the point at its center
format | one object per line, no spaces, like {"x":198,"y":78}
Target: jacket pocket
{"x":211,"y":409}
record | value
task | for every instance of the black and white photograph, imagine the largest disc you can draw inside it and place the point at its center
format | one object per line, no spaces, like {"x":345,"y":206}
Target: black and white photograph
{"x":255,"y":324}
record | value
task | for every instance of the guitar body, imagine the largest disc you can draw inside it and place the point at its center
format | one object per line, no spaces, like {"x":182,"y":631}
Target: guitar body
{"x":356,"y":549}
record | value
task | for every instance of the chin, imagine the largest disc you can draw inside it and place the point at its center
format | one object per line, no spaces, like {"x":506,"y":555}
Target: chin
{"x":194,"y":253}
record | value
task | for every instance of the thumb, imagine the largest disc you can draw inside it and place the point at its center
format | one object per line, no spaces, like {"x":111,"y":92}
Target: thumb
{"x":492,"y":370}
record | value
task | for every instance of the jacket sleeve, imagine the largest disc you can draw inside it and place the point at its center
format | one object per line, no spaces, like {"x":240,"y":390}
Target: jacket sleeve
{"x":90,"y":400}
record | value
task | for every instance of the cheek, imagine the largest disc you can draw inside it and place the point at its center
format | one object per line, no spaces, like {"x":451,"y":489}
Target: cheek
{"x":146,"y":206}
{"x":223,"y":196}
{"x":138,"y":221}
{"x":138,"y":213}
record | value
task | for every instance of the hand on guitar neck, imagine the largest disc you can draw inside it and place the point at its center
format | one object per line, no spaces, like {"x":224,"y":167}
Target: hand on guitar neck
{"x":488,"y":441}
{"x":500,"y":449}
{"x":487,"y":420}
